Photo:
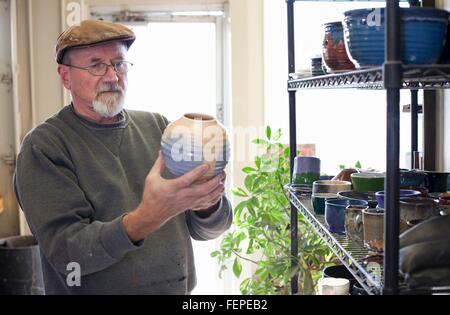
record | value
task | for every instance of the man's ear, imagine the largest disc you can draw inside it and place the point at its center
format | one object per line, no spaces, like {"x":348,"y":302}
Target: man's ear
{"x":63,"y":72}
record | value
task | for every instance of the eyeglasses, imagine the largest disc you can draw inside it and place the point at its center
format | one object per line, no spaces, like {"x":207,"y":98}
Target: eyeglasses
{"x":100,"y":69}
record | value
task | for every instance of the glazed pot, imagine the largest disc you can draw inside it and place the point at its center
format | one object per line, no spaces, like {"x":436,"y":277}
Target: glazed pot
{"x":193,"y":140}
{"x":334,"y":53}
{"x":422,"y":35}
{"x":306,"y":170}
{"x":345,"y":174}
{"x":412,"y":178}
{"x":368,"y":182}
{"x":413,"y":209}
{"x":373,"y":222}
{"x":437,"y":181}
{"x":335,"y":213}
{"x":404,"y":193}
{"x":330,"y":186}
{"x":353,"y":222}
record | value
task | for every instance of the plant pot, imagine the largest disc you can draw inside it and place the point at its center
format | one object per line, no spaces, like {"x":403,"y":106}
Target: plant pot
{"x":20,"y":266}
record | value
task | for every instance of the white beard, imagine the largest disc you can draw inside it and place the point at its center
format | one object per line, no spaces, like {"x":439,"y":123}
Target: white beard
{"x":111,"y":104}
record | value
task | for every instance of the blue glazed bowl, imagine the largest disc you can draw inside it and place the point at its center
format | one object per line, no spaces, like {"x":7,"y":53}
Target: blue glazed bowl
{"x":423,"y":33}
{"x":335,"y":213}
{"x":404,"y":193}
{"x":412,"y":178}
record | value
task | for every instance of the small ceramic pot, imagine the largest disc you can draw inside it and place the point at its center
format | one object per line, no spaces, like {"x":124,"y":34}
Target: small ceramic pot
{"x":353,"y":222}
{"x":368,"y":182}
{"x":404,"y":193}
{"x":345,"y":174}
{"x":333,"y":286}
{"x":335,"y":213}
{"x":355,"y":195}
{"x":414,"y":178}
{"x":373,"y":222}
{"x":437,"y":181}
{"x":318,"y":202}
{"x":339,"y":271}
{"x":334,"y":53}
{"x":330,"y":186}
{"x":416,"y":209}
{"x":306,"y":170}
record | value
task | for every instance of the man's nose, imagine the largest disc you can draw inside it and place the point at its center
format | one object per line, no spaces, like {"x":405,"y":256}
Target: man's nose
{"x":111,"y":74}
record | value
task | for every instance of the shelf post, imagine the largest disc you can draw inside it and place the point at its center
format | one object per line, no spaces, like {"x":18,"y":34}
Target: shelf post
{"x":292,"y":144}
{"x":414,"y":125}
{"x":392,"y":77}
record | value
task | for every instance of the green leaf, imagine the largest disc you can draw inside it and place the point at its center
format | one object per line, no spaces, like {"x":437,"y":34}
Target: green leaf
{"x":248,"y":170}
{"x":239,"y":192}
{"x":215,"y":253}
{"x":277,"y":135}
{"x":261,"y":142}
{"x":248,"y":181}
{"x":237,"y":267}
{"x":341,"y":166}
{"x":358,"y":164}
{"x":268,"y":132}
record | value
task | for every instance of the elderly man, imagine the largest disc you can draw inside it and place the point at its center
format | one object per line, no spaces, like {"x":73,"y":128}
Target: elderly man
{"x":93,"y":187}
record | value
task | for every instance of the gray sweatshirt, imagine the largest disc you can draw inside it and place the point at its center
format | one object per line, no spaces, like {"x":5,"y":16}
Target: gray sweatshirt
{"x":75,"y":180}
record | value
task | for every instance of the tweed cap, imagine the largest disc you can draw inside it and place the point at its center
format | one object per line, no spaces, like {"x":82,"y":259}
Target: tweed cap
{"x":90,"y":33}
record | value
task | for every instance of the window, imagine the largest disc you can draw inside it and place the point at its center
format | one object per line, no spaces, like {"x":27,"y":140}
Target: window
{"x":346,"y":126}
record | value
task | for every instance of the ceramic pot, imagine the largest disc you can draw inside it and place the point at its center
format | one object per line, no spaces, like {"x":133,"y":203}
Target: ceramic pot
{"x":345,"y":174}
{"x":335,"y":213}
{"x":330,"y":186}
{"x":353,"y":222}
{"x":412,"y":178}
{"x":373,"y":222}
{"x":306,"y":170}
{"x":318,"y":202}
{"x":368,"y":182}
{"x":404,"y":193}
{"x":413,"y":209}
{"x":422,"y":35}
{"x":339,"y":271}
{"x":437,"y":181}
{"x":193,"y":140}
{"x":334,"y":53}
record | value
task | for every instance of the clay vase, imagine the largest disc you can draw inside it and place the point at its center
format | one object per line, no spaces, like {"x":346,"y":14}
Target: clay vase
{"x":193,"y":140}
{"x":334,"y":53}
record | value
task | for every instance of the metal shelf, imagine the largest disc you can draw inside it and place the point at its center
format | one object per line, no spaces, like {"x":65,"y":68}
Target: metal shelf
{"x":427,"y":77}
{"x":351,"y":253}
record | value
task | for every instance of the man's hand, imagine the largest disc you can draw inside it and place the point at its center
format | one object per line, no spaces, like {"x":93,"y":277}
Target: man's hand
{"x":163,"y":199}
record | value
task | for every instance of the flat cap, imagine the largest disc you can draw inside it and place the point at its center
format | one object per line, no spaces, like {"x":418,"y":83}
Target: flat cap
{"x":90,"y":33}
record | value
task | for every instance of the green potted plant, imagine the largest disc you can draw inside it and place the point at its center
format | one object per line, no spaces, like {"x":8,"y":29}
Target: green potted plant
{"x":262,"y":228}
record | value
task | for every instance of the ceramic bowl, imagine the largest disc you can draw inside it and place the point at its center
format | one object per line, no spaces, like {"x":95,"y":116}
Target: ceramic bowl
{"x":355,"y":195}
{"x":330,"y":186}
{"x":404,"y":193}
{"x":335,"y":213}
{"x":412,"y":178}
{"x":339,"y":271}
{"x":423,"y":32}
{"x":368,"y":182}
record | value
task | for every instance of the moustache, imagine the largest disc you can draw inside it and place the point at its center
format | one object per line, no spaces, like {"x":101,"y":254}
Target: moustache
{"x":109,"y":88}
